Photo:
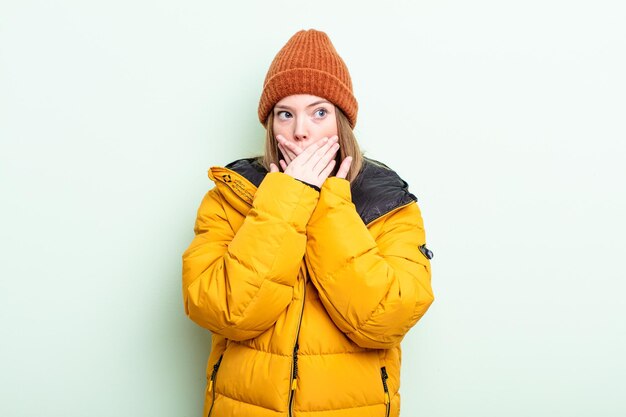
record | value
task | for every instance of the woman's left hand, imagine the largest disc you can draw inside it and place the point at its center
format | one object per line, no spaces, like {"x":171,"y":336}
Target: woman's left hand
{"x":290,"y":150}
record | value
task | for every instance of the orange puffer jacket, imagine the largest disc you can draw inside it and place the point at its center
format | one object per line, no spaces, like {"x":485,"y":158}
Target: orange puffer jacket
{"x":307,"y":294}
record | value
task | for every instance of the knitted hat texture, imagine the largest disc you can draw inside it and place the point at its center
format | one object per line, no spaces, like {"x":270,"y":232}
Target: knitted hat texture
{"x":308,"y":64}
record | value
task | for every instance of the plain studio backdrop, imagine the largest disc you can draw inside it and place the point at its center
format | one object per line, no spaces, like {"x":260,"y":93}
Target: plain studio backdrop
{"x":507,"y":119}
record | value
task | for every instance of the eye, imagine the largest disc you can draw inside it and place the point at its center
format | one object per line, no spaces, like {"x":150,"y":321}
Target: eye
{"x":321,"y":112}
{"x":283,"y":115}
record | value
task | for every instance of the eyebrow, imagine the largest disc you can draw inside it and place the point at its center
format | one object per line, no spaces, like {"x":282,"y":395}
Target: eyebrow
{"x":310,"y":105}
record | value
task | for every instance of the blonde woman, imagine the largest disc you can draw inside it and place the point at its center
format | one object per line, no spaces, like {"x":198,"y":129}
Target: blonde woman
{"x":309,"y":263}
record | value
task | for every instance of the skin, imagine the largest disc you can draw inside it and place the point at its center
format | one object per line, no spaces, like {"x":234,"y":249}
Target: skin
{"x":305,"y":127}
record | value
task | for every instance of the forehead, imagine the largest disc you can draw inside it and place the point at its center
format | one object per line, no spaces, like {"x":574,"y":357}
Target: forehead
{"x":300,"y":100}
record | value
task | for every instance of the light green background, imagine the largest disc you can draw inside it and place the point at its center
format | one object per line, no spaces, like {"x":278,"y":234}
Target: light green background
{"x":506,"y":118}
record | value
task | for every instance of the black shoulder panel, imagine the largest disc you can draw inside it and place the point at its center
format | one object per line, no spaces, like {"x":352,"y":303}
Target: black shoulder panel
{"x":378,"y":190}
{"x":250,"y":168}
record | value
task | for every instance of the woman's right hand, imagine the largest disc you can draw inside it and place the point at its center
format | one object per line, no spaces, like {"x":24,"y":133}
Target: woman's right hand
{"x":314,"y":164}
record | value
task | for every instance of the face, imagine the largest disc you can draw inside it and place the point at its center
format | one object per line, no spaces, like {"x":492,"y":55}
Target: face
{"x":304,"y":119}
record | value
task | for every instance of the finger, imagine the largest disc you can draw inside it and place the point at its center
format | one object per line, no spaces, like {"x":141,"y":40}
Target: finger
{"x":273,"y":167}
{"x":283,"y":164}
{"x":289,"y":154}
{"x":285,"y":153}
{"x":326,"y":171}
{"x":289,"y":145}
{"x":292,"y":147}
{"x":324,"y":154}
{"x":329,"y":154}
{"x":310,"y":150}
{"x":342,"y":172}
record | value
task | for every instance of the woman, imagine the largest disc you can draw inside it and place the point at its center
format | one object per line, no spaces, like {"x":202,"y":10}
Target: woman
{"x":309,"y":263}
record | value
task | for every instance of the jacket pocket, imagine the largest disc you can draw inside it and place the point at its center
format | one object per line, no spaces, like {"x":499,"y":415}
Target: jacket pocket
{"x":384,"y":377}
{"x":212,"y":382}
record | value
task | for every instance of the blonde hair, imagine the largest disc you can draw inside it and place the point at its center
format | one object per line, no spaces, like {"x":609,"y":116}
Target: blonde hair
{"x":348,"y":146}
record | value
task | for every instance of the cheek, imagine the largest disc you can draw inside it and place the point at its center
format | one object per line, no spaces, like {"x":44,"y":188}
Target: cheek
{"x":279,"y":129}
{"x":330,"y":126}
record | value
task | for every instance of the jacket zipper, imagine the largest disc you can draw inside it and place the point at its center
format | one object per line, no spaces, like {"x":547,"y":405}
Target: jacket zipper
{"x":384,"y":376}
{"x":212,"y":382}
{"x":294,"y":369}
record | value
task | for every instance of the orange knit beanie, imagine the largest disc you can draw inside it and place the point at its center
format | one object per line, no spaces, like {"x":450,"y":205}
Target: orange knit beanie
{"x":308,"y":64}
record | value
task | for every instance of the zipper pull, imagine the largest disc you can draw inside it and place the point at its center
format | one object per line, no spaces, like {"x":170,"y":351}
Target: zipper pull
{"x":214,"y":373}
{"x":294,"y":383}
{"x":383,"y":371}
{"x":212,"y":378}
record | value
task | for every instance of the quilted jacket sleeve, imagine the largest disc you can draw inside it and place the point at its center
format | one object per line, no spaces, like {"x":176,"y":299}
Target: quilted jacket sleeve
{"x":237,"y":284}
{"x":374,"y":290}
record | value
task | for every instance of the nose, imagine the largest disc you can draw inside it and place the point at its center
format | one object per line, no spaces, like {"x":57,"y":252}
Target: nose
{"x":300,"y":129}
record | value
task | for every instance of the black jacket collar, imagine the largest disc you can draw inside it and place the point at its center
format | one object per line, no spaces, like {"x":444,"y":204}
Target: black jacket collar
{"x":376,"y":191}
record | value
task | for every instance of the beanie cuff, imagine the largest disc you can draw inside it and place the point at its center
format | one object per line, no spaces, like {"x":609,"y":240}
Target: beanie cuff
{"x":307,"y":81}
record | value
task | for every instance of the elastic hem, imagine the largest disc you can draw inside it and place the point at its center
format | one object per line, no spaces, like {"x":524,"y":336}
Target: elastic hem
{"x":315,"y":187}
